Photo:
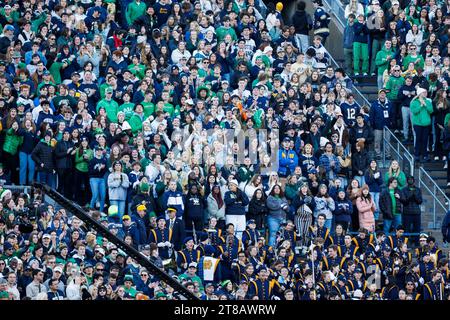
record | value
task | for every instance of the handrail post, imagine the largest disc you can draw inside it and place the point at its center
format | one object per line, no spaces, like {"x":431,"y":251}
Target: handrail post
{"x":434,"y":207}
{"x":384,"y":146}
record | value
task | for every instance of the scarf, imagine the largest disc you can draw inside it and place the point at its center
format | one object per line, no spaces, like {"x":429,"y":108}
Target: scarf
{"x":117,"y":41}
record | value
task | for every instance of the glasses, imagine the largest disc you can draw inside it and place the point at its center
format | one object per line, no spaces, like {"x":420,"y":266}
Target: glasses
{"x":99,"y":269}
{"x":144,"y":275}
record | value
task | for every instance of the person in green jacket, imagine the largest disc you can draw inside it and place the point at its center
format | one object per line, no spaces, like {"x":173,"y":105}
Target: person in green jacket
{"x":137,"y":68}
{"x":421,"y":109}
{"x":222,"y":31}
{"x":418,"y":60}
{"x":127,"y":107}
{"x":134,"y":10}
{"x":395,"y":171}
{"x":10,"y":149}
{"x":394,"y":83}
{"x":83,"y":155}
{"x":12,"y":139}
{"x":382,"y":60}
{"x":111,"y":106}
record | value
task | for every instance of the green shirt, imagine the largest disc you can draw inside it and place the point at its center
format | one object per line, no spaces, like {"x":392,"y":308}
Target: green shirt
{"x":393,"y":86}
{"x":401,"y":179}
{"x":80,"y":163}
{"x":111,"y":108}
{"x":408,"y":59}
{"x":421,"y":115}
{"x":394,"y":201}
{"x":221,"y":32}
{"x":134,"y":11}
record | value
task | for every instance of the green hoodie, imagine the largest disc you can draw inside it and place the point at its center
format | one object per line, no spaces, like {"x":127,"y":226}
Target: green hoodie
{"x":111,"y":108}
{"x":81,"y":164}
{"x":420,"y":115}
{"x":382,"y":61}
{"x":138,"y":70}
{"x":222,"y":31}
{"x":393,"y":86}
{"x":135,"y":123}
{"x":12,"y":142}
{"x":128,"y":109}
{"x":408,"y":59}
{"x":135,"y":10}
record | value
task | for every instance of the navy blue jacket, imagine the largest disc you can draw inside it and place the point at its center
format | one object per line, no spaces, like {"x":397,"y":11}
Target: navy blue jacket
{"x":235,"y":203}
{"x":94,"y":170}
{"x":374,"y":184}
{"x":140,"y":224}
{"x":381,"y":115}
{"x":361,"y":32}
{"x":29,"y":141}
{"x":133,"y":231}
{"x":343,"y":210}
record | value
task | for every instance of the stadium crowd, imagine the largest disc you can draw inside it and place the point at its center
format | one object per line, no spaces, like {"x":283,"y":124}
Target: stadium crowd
{"x":217,"y":139}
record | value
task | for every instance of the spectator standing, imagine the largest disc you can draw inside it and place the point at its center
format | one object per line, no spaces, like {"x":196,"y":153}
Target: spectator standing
{"x":278,"y":207}
{"x":361,"y":47}
{"x":421,"y":109}
{"x":235,"y":202}
{"x":411,"y":218}
{"x":391,"y":206}
{"x":117,"y":188}
{"x":303,"y":24}
{"x":349,"y":39}
{"x":381,"y":115}
{"x":43,"y":157}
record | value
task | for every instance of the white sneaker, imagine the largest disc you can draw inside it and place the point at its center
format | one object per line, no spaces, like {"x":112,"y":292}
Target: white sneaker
{"x":356,"y":74}
{"x":445,"y":165}
{"x":448,"y":184}
{"x":444,"y":158}
{"x":436,"y":158}
{"x":365,"y":74}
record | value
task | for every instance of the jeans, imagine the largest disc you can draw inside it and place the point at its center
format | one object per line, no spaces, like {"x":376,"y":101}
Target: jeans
{"x":406,"y":117}
{"x":302,"y":41}
{"x":376,"y":46}
{"x":121,"y":205}
{"x":376,"y":199}
{"x":380,"y":81}
{"x":46,"y":177}
{"x":26,"y":166}
{"x":98,"y":188}
{"x":328,"y":224}
{"x":360,"y":52}
{"x":274,"y":225}
{"x":377,"y":139}
{"x":360,"y":180}
{"x":421,"y":141}
{"x":387,"y":223}
{"x":348,"y":61}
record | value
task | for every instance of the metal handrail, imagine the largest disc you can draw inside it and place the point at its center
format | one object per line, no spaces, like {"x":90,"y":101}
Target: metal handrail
{"x":401,"y":151}
{"x":337,"y":8}
{"x":434,"y":192}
